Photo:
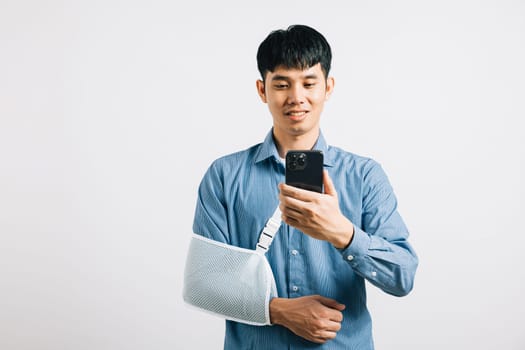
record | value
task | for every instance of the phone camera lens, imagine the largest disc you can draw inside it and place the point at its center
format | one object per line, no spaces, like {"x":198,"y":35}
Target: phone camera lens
{"x":302,"y":159}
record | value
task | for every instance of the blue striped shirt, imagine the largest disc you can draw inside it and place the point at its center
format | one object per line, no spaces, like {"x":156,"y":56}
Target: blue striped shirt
{"x":239,"y":193}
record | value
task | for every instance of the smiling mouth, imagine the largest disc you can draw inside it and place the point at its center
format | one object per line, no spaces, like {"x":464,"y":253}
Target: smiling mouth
{"x":296,"y":115}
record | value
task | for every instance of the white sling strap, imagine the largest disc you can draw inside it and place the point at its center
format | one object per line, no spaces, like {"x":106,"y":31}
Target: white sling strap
{"x":269,"y":231}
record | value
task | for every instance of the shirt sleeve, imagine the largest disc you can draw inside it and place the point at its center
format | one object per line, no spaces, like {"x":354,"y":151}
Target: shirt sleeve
{"x":379,"y":251}
{"x":211,"y":219}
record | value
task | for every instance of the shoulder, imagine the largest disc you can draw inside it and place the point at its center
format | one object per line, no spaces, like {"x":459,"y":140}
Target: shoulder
{"x":233,"y":163}
{"x":356,"y":164}
{"x":361,"y":174}
{"x":235,"y":159}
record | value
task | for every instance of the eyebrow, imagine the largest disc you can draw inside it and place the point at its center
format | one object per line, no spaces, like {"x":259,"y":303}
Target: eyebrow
{"x":284,"y":77}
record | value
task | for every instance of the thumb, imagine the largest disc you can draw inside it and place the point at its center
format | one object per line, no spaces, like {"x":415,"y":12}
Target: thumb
{"x":331,"y":303}
{"x":329,"y":187}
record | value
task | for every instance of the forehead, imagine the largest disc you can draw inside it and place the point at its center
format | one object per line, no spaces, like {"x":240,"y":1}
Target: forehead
{"x":282,"y":72}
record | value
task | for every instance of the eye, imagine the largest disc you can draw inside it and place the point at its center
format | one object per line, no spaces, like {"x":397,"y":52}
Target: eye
{"x":281,"y":86}
{"x":310,"y":83}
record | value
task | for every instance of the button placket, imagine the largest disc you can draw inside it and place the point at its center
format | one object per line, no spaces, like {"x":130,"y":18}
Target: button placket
{"x":296,"y":263}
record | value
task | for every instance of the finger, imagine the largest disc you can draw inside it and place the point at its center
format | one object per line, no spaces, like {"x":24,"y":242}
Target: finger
{"x":326,"y":335}
{"x":331,"y":303}
{"x":292,"y":218}
{"x":335,"y":316}
{"x":290,"y":221}
{"x":329,"y":187}
{"x":290,"y":214}
{"x":297,"y":193}
{"x":318,"y":340}
{"x":293,"y":204}
{"x":333,"y":327}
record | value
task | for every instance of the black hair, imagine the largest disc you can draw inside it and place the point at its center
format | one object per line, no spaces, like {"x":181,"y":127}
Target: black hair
{"x":299,"y":47}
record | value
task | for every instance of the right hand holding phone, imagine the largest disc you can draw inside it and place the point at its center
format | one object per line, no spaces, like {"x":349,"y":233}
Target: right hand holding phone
{"x":316,"y":214}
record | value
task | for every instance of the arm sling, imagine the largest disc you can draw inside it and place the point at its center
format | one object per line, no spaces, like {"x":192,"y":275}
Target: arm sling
{"x":231,"y":282}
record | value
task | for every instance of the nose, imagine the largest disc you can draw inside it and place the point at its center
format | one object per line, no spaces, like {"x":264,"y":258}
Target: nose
{"x":296,"y":95}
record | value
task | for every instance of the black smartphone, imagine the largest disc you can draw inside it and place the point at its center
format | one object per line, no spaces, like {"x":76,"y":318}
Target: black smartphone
{"x":304,"y":169}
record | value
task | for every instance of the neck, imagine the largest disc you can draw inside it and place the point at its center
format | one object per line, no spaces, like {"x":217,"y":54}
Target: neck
{"x":288,"y":142}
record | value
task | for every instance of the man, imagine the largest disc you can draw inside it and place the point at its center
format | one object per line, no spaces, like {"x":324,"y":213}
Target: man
{"x":330,"y":242}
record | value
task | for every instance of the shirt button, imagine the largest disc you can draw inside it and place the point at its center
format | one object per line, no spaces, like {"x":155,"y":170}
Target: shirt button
{"x":374,"y":274}
{"x":294,"y":252}
{"x":350,"y":257}
{"x":295,"y":288}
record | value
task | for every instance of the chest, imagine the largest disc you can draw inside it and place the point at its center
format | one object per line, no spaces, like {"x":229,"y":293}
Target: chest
{"x":253,"y":196}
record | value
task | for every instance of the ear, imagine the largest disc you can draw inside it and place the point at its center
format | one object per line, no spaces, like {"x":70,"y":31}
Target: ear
{"x":330,"y":84}
{"x":260,"y":90}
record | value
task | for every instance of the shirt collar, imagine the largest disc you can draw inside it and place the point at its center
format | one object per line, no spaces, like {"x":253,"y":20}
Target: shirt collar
{"x":269,"y":149}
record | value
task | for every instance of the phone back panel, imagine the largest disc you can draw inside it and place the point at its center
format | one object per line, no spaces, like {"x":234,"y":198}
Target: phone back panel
{"x":304,"y":169}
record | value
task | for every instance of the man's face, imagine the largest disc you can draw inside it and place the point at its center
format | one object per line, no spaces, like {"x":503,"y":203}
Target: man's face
{"x":295,"y":98}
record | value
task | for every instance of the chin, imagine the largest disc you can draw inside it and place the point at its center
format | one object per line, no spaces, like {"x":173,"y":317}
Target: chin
{"x":297,"y":131}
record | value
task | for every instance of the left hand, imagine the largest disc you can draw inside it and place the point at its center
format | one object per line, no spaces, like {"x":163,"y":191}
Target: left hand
{"x":316,"y":214}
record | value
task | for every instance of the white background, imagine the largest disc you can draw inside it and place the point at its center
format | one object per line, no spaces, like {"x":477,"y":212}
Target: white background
{"x":111,"y":111}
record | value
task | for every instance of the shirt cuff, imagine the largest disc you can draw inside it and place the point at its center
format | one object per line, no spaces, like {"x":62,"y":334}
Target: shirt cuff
{"x":358,"y":247}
